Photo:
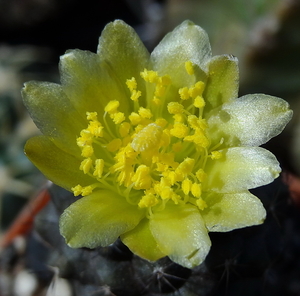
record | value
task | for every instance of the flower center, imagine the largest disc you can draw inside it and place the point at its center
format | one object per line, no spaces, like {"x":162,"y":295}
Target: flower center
{"x":151,"y":156}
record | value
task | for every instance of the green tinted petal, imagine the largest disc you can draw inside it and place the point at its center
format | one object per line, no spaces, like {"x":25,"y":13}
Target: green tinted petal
{"x":124,"y":53}
{"x":142,"y":243}
{"x":239,"y":169}
{"x":53,"y":114}
{"x":226,"y":212}
{"x":58,"y":166}
{"x":223,"y":81}
{"x":251,"y":120}
{"x":187,"y":42}
{"x":98,"y":219}
{"x":181,"y":234}
{"x":87,"y":81}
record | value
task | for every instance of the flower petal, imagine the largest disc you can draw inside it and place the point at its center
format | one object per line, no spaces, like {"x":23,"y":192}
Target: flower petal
{"x":124,"y":53}
{"x":53,"y":113}
{"x":142,"y":243}
{"x":88,"y":82}
{"x":251,"y":120}
{"x":98,"y":219}
{"x":226,"y":212}
{"x":187,"y":42}
{"x":223,"y":81}
{"x":181,"y":234}
{"x":60,"y":167}
{"x":239,"y":169}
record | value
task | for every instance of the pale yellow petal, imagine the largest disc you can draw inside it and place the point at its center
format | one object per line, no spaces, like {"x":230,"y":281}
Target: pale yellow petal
{"x":124,"y":53}
{"x":239,"y":169}
{"x":142,"y":243}
{"x":98,"y":219}
{"x":180,"y":233}
{"x":53,"y":113}
{"x":223,"y":81}
{"x":251,"y":120}
{"x":58,"y":166}
{"x":226,"y":212}
{"x":90,"y":84}
{"x":187,"y":42}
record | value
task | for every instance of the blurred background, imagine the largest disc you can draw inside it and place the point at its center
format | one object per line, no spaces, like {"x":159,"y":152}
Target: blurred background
{"x":262,"y":34}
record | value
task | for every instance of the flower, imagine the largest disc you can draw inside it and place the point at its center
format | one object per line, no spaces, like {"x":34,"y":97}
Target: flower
{"x":159,"y":146}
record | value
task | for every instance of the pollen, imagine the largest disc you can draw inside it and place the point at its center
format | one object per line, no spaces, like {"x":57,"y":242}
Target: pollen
{"x":124,"y":129}
{"x":179,"y":118}
{"x":201,"y":204}
{"x":145,"y":113}
{"x":201,"y":175}
{"x":186,"y":186}
{"x":184,"y":93}
{"x":175,"y":108}
{"x":196,"y":90}
{"x":135,"y":118}
{"x":179,"y":130}
{"x":131,"y":84}
{"x":148,"y":200}
{"x":196,"y":189}
{"x":216,"y":155}
{"x":77,"y":190}
{"x":135,"y":95}
{"x":142,"y":178}
{"x":118,"y":117}
{"x":185,"y":168}
{"x":197,"y":123}
{"x":80,"y":190}
{"x":87,"y":151}
{"x":199,"y":102}
{"x":91,"y":116}
{"x":149,"y":76}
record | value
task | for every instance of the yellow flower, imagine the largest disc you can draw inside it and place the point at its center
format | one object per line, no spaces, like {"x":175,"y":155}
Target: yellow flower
{"x":160,"y":147}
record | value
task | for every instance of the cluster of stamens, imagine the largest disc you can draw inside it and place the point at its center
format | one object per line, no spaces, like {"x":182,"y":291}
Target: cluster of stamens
{"x":143,"y":153}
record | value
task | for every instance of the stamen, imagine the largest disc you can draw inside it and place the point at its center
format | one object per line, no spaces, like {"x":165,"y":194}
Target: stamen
{"x":144,"y":158}
{"x":216,"y":155}
{"x":179,"y":130}
{"x":99,"y":165}
{"x":189,"y":67}
{"x":186,"y":186}
{"x":184,"y":93}
{"x":201,"y":204}
{"x":175,"y":108}
{"x":201,"y":175}
{"x":112,"y":107}
{"x":149,"y":200}
{"x":86,"y":165}
{"x":124,"y":129}
{"x":196,"y":189}
{"x":142,"y":178}
{"x":131,"y":84}
{"x":145,"y":113}
{"x":199,"y":102}
{"x":114,"y":145}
